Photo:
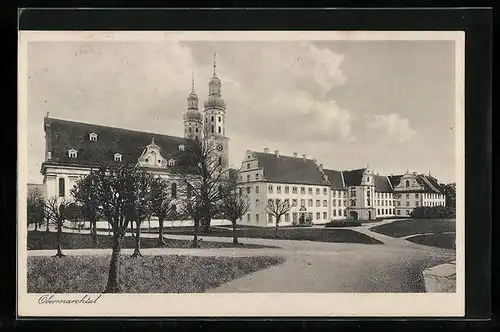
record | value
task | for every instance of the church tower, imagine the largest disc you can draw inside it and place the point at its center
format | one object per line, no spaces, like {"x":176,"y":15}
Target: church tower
{"x":193,"y":119}
{"x":215,"y":116}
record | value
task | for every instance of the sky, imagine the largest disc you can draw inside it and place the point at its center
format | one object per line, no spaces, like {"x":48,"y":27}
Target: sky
{"x":349,"y":104}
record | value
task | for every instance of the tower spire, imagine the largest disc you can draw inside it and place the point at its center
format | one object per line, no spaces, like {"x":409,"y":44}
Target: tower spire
{"x":215,"y":64}
{"x":192,"y":82}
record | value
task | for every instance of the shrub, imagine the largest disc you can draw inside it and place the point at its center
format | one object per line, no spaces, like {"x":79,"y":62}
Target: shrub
{"x":432,"y":212}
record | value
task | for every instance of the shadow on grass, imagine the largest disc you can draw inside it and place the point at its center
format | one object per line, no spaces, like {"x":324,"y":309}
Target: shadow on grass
{"x":402,"y":228}
{"x":48,"y":241}
{"x":446,"y":241}
{"x":148,"y":274}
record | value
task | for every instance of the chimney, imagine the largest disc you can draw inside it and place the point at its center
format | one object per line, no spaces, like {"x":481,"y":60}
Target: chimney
{"x":295,"y":154}
{"x":321,"y":167}
{"x":303,"y":156}
{"x":277,"y":153}
{"x":266,"y":150}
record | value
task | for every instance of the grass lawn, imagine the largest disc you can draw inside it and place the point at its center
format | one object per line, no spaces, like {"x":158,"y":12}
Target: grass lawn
{"x":48,"y":240}
{"x":440,"y":240}
{"x":303,"y":233}
{"x":408,"y":227}
{"x":148,"y":274}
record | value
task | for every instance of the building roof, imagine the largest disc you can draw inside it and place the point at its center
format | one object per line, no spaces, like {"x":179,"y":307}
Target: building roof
{"x":353,"y":178}
{"x":285,"y":169}
{"x":335,"y":178}
{"x":382,"y":184}
{"x":63,"y":135}
{"x":429,"y":183}
{"x":395,"y":179}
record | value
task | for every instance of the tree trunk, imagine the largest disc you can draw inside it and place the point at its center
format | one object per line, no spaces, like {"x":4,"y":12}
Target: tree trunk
{"x":113,"y":285}
{"x":235,"y":238}
{"x":36,"y":225}
{"x":93,"y":230}
{"x":161,"y":240}
{"x":276,"y":228}
{"x":196,"y":230}
{"x":206,"y":225}
{"x":137,"y":251}
{"x":59,"y":237}
{"x":47,"y":220}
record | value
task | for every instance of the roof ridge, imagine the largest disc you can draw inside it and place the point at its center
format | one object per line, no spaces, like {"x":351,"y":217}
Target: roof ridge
{"x":112,"y":127}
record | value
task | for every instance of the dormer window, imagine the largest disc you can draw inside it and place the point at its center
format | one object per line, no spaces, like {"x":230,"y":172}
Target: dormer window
{"x":93,"y":136}
{"x":181,"y":147}
{"x":118,"y":157}
{"x":171,"y":162}
{"x":72,"y":153}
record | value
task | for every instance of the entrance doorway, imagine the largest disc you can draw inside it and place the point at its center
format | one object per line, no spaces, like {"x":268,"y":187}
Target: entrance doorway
{"x":353,"y":215}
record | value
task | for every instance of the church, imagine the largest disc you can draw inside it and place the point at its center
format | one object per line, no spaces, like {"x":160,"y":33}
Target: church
{"x":72,"y":148}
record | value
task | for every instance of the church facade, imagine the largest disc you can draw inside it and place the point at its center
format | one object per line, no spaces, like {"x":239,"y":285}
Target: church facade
{"x":72,"y":148}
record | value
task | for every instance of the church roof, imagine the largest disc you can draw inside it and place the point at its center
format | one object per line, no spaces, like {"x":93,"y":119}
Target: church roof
{"x":335,"y":178}
{"x":63,"y":135}
{"x":429,"y":183}
{"x":394,"y":179}
{"x":285,"y":169}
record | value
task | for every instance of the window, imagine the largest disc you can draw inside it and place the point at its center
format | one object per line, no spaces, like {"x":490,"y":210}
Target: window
{"x":407,"y":203}
{"x":325,"y":191}
{"x":256,"y":176}
{"x":345,"y":213}
{"x":62,"y":187}
{"x":334,"y":193}
{"x":407,"y":195}
{"x":220,"y":130}
{"x":353,"y":203}
{"x":181,"y":147}
{"x":287,"y":217}
{"x":257,"y":218}
{"x":220,"y":119}
{"x":367,"y":179}
{"x":248,"y":165}
{"x":269,"y":218}
{"x":325,"y":203}
{"x":294,"y":190}
{"x":334,"y":203}
{"x":93,"y":136}
{"x":318,"y":216}
{"x":257,"y":203}
{"x":325,"y":216}
{"x":345,"y":202}
{"x":378,"y":211}
{"x":118,"y":157}
{"x":248,"y":177}
{"x":408,"y":212}
{"x":398,"y":212}
{"x":72,"y":153}
{"x":287,"y":190}
{"x":416,"y":203}
{"x":310,"y":215}
{"x":278,"y":189}
{"x":287,"y":202}
{"x":173,"y":188}
{"x":318,"y":203}
{"x":171,"y":162}
{"x":407,"y":183}
{"x":302,"y":190}
{"x":340,"y":202}
{"x":295,"y":216}
{"x":310,"y":191}
{"x":383,"y":203}
{"x":310,"y":202}
{"x":249,"y":189}
{"x":353,"y":192}
{"x":368,"y":202}
{"x":294,"y":202}
{"x":334,"y":213}
{"x":386,"y":211}
{"x":212,"y":118}
{"x":256,"y":189}
{"x":190,"y":129}
{"x":248,"y":217}
{"x":212,"y":129}
{"x":399,"y":203}
{"x":302,"y":202}
{"x":270,"y":189}
{"x":317,"y":191}
{"x":368,"y":193}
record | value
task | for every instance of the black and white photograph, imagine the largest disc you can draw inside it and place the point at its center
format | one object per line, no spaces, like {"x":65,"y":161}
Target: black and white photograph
{"x":241,"y":173}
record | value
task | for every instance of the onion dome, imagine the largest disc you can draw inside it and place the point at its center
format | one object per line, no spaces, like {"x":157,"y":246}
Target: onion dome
{"x":193,"y":115}
{"x":215,"y":101}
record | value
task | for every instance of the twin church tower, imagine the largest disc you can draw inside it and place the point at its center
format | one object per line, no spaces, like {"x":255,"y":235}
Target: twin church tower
{"x":212,"y":122}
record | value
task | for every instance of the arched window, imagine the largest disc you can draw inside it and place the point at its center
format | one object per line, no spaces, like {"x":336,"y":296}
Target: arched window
{"x":353,"y":203}
{"x":378,"y":211}
{"x":62,"y":187}
{"x":190,"y":129}
{"x":220,"y":130}
{"x":174,"y":190}
{"x":368,"y":202}
{"x":220,"y":119}
{"x":212,"y":118}
{"x":334,"y":213}
{"x":407,"y":183}
{"x":212,"y":129}
{"x":196,"y":130}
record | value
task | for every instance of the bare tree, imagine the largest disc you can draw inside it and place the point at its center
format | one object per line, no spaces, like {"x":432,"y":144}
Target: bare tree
{"x":141,"y":204}
{"x":35,"y":208}
{"x":277,"y":208}
{"x":233,"y":205}
{"x":114,"y":188}
{"x":161,"y":205}
{"x":205,"y":173}
{"x":85,"y":194}
{"x":55,"y":212}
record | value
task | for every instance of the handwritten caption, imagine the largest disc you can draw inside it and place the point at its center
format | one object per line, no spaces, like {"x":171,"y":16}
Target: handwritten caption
{"x":52,"y":299}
